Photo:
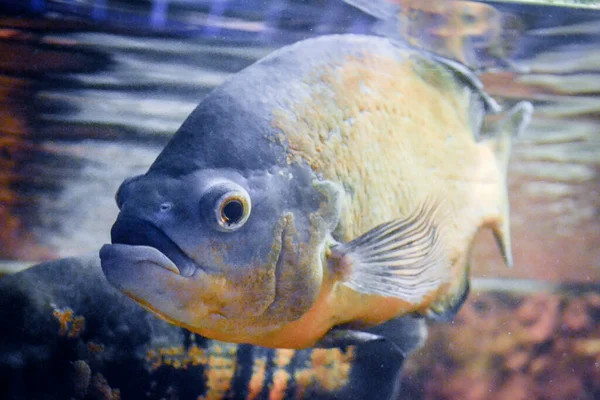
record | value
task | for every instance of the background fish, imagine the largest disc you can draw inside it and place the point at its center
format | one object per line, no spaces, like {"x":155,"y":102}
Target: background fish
{"x":94,"y":343}
{"x":336,"y":183}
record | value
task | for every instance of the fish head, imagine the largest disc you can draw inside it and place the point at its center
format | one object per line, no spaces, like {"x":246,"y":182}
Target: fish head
{"x":223,"y":232}
{"x":215,"y":246}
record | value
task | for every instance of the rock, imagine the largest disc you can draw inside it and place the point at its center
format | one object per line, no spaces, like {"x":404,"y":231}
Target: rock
{"x":576,"y":317}
{"x":517,"y":360}
{"x":516,"y":387}
{"x":539,"y":315}
{"x":513,"y":345}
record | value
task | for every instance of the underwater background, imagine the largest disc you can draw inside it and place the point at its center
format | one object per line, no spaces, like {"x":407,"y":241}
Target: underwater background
{"x":90,"y":92}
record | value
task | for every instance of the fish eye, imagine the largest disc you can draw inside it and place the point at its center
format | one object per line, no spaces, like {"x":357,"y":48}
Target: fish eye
{"x":230,"y":204}
{"x":232,"y":212}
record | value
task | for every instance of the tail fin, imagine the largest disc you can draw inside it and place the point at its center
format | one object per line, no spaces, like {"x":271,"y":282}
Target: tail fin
{"x":513,"y":123}
{"x":472,"y":33}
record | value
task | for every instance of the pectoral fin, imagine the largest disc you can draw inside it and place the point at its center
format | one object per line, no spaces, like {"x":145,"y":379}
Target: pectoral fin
{"x":402,"y":258}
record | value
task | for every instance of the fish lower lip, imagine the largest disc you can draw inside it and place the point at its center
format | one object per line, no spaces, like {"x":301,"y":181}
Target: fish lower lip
{"x":143,"y":254}
{"x":138,"y":254}
{"x":170,"y":266}
{"x":185,"y":269}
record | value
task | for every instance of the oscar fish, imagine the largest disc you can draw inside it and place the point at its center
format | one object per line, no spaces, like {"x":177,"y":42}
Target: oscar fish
{"x":317,"y":197}
{"x":94,"y":343}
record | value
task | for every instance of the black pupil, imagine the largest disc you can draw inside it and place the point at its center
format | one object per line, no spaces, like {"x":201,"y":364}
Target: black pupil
{"x":233,"y":211}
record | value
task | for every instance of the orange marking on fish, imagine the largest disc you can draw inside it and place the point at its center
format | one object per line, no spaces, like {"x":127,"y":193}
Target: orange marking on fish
{"x":78,"y":325}
{"x":70,"y":325}
{"x":332,"y":367}
{"x":257,"y":380}
{"x":95,"y":347}
{"x":280,"y":383}
{"x":64,"y":317}
{"x":218,"y":373}
{"x":304,"y":378}
{"x":197,"y":355}
{"x":283,"y":357}
{"x":176,"y":357}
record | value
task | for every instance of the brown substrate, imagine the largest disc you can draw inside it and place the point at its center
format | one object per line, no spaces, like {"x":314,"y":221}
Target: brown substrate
{"x":512,"y":346}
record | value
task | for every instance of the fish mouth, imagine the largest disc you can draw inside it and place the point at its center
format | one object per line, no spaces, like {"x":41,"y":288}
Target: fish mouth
{"x":138,"y":241}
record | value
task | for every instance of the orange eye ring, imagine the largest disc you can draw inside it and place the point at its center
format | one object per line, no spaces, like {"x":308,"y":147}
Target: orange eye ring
{"x":233,"y":210}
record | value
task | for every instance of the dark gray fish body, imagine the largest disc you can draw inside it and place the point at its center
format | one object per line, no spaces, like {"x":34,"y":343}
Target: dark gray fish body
{"x":71,"y":335}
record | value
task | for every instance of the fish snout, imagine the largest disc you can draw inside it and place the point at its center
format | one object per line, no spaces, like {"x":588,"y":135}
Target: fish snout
{"x":137,"y":240}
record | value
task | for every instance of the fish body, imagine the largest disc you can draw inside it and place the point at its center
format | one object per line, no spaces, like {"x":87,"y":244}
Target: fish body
{"x":94,"y":343}
{"x":338,"y":182}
